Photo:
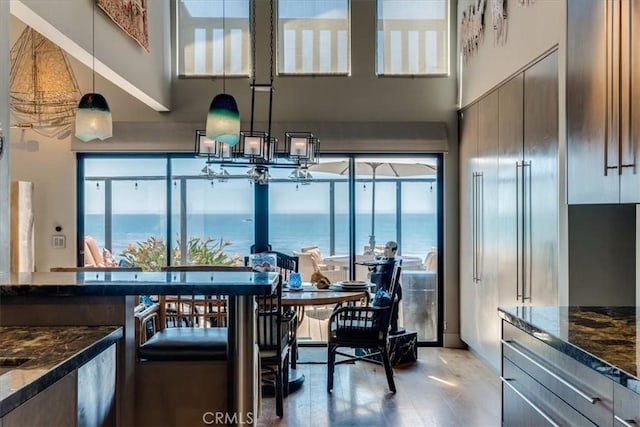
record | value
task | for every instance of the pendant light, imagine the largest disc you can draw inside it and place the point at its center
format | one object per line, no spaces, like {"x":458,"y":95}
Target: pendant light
{"x":223,"y":120}
{"x":93,"y":119}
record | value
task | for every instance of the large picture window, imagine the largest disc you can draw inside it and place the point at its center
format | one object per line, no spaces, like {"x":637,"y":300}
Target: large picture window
{"x":153,"y":210}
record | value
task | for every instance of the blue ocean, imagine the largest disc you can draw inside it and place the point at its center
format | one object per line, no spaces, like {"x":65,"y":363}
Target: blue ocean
{"x":287,"y":232}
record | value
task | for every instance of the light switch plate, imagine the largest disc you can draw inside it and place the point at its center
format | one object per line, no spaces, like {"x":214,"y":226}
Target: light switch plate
{"x":59,"y":241}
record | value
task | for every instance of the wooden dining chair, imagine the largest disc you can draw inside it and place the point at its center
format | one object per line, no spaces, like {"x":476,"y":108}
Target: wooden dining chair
{"x":285,"y":265}
{"x":364,"y":328}
{"x":274,"y":344}
{"x":196,"y":310}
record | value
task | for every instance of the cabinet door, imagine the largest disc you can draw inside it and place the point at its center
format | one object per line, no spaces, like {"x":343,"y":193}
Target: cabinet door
{"x":468,"y":131}
{"x":486,"y":290}
{"x":540,"y":205}
{"x":590,"y":134}
{"x":510,"y":189}
{"x":630,"y":118}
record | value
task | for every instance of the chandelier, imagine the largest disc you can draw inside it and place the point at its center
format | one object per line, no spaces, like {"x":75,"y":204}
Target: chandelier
{"x":259,"y":149}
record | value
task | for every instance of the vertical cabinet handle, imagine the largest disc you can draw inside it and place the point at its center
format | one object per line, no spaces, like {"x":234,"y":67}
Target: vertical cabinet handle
{"x":480,"y":238}
{"x":627,"y":144}
{"x":519,"y":232}
{"x":473,"y":226}
{"x":610,"y":112}
{"x":477,"y":232}
{"x":527,"y":251}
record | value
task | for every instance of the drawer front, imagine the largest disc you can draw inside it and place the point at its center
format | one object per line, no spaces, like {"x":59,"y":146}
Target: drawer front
{"x":527,"y":403}
{"x":589,"y":392}
{"x":626,"y":407}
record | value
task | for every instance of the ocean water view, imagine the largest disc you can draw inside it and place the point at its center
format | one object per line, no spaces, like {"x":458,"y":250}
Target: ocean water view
{"x":287,"y":232}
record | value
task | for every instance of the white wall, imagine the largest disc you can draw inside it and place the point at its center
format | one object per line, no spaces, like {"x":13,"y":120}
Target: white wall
{"x":531,"y":31}
{"x":150,"y":73}
{"x":4,"y":158}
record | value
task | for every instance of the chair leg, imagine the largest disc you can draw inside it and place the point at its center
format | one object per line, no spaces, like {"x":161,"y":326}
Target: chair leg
{"x":331,"y":359}
{"x":387,"y":369}
{"x":279,"y":393}
{"x":294,"y":352}
{"x":285,"y":376}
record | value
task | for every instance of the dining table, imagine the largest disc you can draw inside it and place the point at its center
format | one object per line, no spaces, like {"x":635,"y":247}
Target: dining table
{"x":310,"y":295}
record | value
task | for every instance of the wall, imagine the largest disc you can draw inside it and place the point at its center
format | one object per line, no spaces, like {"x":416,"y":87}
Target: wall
{"x":531,"y":31}
{"x":4,"y":121}
{"x":74,"y":21}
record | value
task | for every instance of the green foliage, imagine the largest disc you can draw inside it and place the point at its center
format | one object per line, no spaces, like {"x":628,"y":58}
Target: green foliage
{"x":150,"y":255}
{"x":205,"y":252}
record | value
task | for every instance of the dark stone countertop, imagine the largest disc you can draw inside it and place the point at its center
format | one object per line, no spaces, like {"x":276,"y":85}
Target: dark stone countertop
{"x":136,"y":283}
{"x":606,"y":339}
{"x":53,"y":352}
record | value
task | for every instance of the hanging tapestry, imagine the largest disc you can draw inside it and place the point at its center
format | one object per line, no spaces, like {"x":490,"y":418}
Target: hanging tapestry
{"x":44,"y":93}
{"x":131,"y":16}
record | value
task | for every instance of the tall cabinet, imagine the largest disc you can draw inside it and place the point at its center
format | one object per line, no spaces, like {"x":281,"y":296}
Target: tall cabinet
{"x":509,"y":203}
{"x":603,"y":101}
{"x":479,"y":236}
{"x":528,"y":185}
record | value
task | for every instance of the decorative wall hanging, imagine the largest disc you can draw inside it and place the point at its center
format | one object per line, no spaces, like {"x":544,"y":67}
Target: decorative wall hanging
{"x":131,"y":16}
{"x":44,"y":92}
{"x":472,"y":28}
{"x":499,"y":12}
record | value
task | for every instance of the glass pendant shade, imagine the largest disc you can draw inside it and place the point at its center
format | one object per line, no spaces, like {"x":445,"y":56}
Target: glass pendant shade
{"x":93,"y":119}
{"x":223,"y":120}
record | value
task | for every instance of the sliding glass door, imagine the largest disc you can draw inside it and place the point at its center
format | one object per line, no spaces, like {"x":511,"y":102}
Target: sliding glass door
{"x":162,"y":209}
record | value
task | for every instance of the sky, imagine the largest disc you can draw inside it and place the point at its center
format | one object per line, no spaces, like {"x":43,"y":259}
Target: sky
{"x":236,"y":195}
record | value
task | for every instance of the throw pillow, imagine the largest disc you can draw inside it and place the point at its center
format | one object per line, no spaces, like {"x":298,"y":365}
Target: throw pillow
{"x":109,"y":260}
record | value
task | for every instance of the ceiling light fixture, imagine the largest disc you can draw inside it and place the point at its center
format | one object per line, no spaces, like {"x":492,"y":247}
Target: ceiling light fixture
{"x":93,"y":118}
{"x":223,"y":119}
{"x":258,"y":148}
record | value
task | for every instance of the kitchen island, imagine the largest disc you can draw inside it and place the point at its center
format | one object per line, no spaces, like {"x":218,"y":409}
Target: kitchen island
{"x":571,"y":365}
{"x":37,"y":361}
{"x":107,"y":298}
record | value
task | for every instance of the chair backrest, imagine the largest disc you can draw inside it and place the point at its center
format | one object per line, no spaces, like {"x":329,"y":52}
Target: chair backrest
{"x":272,"y":331}
{"x":285,"y":264}
{"x":431,"y":260}
{"x":383,"y":321}
{"x":201,"y":311}
{"x":146,"y":322}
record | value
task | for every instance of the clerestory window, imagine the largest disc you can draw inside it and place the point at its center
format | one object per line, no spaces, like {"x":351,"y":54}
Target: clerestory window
{"x":412,"y":37}
{"x":313,"y":37}
{"x":213,"y":38}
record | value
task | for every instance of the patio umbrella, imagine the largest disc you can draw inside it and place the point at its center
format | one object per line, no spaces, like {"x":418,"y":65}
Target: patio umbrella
{"x":395,"y":168}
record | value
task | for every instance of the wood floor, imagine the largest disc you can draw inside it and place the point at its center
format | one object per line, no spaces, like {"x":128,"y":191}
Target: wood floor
{"x":446,"y":387}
